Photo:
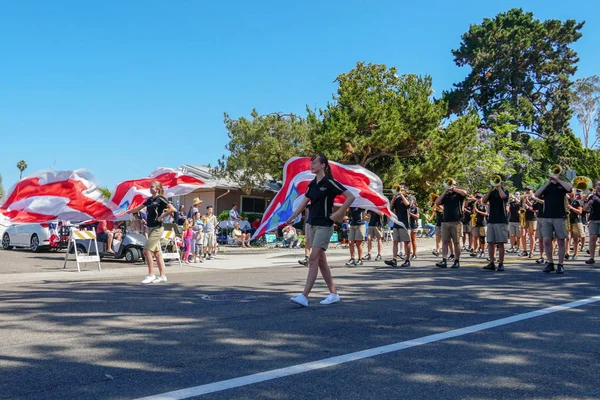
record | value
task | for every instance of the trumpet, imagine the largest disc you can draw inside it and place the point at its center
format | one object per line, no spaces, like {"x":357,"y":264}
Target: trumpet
{"x":449,"y":183}
{"x":496,"y":181}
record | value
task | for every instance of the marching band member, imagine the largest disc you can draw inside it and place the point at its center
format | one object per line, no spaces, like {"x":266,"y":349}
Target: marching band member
{"x":592,"y":205}
{"x":514,"y":222}
{"x":479,"y":233}
{"x":554,"y":192}
{"x":497,"y":229}
{"x":452,"y":199}
{"x":467,"y":226}
{"x":530,"y":218}
{"x":400,"y":233}
{"x":575,"y":207}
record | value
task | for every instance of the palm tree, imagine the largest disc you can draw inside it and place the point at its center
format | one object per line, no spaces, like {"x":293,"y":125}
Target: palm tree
{"x":22,"y":165}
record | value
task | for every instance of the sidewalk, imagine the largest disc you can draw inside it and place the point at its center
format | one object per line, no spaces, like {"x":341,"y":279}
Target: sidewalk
{"x":234,"y":258}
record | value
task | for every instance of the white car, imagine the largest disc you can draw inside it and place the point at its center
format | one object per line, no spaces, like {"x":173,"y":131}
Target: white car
{"x":33,"y":236}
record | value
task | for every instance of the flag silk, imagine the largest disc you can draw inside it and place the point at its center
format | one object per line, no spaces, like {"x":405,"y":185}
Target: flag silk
{"x":132,"y":193}
{"x":50,"y":195}
{"x":362,"y":183}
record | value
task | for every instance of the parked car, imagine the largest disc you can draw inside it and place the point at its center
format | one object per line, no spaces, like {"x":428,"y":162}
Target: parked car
{"x":37,"y":237}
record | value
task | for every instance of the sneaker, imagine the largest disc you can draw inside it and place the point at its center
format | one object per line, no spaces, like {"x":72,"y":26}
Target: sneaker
{"x":456,"y":264}
{"x":351,"y":262}
{"x":359,"y":262}
{"x":209,"y":257}
{"x":451,"y":257}
{"x":300,"y":299}
{"x":401,"y":256}
{"x":490,"y":267}
{"x":523,"y":253}
{"x":560,"y":269}
{"x":160,"y":279}
{"x":435,"y":253}
{"x":442,"y":264}
{"x":549,"y":268}
{"x":303,"y":262}
{"x":378,"y":258}
{"x":540,"y":260}
{"x":500,"y":267}
{"x":567,"y":256}
{"x":367,"y":257}
{"x":473,"y":254}
{"x":530,"y":255}
{"x":149,"y":279}
{"x":591,"y":261}
{"x":405,"y":264}
{"x":391,"y":263}
{"x":573,"y":258}
{"x":330,"y":299}
{"x":413,"y":257}
{"x":510,"y":251}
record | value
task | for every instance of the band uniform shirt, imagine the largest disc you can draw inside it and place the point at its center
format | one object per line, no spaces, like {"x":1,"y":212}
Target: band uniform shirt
{"x":575,"y":218}
{"x":554,"y":201}
{"x":453,"y":203}
{"x":467,"y":214}
{"x":513,"y":209}
{"x":480,"y":219}
{"x":439,"y":216}
{"x":155,"y":206}
{"x":594,"y":210}
{"x":321,"y":195}
{"x":497,"y":213}
{"x":375,"y":219}
{"x":530,"y":213}
{"x":357,"y":216}
{"x":401,"y":211}
{"x":414,"y":224}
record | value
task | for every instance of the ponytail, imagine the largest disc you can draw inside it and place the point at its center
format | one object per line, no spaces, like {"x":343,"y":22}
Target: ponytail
{"x":323,"y":160}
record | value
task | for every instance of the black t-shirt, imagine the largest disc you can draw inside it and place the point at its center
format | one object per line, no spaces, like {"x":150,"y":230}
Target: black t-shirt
{"x":467,"y":214}
{"x":513,"y":209}
{"x":357,"y":216}
{"x":439,"y":216}
{"x":480,"y":220}
{"x":575,"y":218}
{"x":497,"y":213}
{"x":453,"y":203}
{"x":554,"y":201}
{"x":414,"y":223}
{"x":540,"y":209}
{"x":155,"y":206}
{"x":594,"y":210}
{"x":401,"y":211}
{"x":375,"y":219}
{"x":530,"y":214}
{"x":321,"y":195}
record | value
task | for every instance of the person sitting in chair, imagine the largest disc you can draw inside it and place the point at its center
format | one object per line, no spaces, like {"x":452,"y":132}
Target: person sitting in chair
{"x":239,"y":237}
{"x":290,"y":236}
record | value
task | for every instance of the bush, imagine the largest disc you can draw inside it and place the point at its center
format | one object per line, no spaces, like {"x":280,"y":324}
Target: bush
{"x":224,"y":216}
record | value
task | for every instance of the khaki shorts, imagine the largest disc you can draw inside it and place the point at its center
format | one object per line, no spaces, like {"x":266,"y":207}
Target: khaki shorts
{"x":154,"y":236}
{"x":375,"y":232}
{"x":400,"y":235}
{"x":497,"y":233}
{"x":594,"y":228}
{"x":438,"y":230}
{"x":357,"y":233}
{"x":321,"y":236}
{"x":577,"y":230}
{"x":531,"y":225}
{"x":514,"y":229}
{"x":308,"y":235}
{"x":451,"y":231}
{"x":554,"y":226}
{"x":209,"y":239}
{"x":467,"y":228}
{"x":479,"y":231}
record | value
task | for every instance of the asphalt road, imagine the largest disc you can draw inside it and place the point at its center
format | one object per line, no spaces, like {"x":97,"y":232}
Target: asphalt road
{"x":108,"y":337}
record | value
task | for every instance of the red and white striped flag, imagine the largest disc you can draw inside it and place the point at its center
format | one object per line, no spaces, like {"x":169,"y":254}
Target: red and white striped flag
{"x":50,"y":195}
{"x":362,"y":183}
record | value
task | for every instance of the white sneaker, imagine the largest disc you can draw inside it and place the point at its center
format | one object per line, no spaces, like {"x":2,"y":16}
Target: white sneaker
{"x":332,"y":298}
{"x":160,"y":279}
{"x":149,"y":279}
{"x":300,"y":299}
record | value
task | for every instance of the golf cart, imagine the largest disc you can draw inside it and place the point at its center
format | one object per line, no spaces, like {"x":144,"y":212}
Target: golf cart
{"x":130,"y":247}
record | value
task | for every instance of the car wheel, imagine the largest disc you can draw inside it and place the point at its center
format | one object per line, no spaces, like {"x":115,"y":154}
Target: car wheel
{"x":35,"y":243}
{"x":131,"y":255}
{"x":6,"y":242}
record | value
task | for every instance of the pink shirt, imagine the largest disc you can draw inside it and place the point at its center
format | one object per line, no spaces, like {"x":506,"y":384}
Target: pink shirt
{"x":189,"y":234}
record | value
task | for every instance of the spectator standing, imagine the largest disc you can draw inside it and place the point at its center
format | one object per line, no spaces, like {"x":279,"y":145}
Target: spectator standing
{"x":180,"y":217}
{"x":210,"y":224}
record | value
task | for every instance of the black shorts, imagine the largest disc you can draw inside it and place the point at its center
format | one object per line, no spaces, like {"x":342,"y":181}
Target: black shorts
{"x":103,"y":237}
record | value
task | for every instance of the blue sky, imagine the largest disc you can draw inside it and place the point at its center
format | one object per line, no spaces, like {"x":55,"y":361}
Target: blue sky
{"x":123,"y":87}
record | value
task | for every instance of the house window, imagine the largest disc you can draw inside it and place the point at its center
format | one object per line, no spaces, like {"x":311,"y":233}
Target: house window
{"x":253,"y":204}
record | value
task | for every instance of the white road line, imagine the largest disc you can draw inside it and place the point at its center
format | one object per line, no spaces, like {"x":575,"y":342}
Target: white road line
{"x":359,"y":355}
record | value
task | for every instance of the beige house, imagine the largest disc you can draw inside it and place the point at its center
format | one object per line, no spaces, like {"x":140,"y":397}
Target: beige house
{"x":225,"y":193}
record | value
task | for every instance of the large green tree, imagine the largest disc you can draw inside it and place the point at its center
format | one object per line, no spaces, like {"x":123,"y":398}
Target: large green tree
{"x":585,"y":101}
{"x":259,"y":146}
{"x":520,"y":65}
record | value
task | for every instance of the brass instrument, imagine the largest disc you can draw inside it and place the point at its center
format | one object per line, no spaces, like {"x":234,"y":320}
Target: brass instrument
{"x":449,"y":183}
{"x":555,"y":171}
{"x":432,"y":198}
{"x":474,"y":216}
{"x":522,"y":218}
{"x":568,"y":214}
{"x":582,"y":183}
{"x":396,"y":188}
{"x":496,"y":181}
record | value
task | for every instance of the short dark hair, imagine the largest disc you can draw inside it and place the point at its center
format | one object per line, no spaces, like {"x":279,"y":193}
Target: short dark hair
{"x":234,"y":204}
{"x":207,"y":207}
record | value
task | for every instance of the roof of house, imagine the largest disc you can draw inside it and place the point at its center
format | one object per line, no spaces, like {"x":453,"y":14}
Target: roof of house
{"x":203,"y":172}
